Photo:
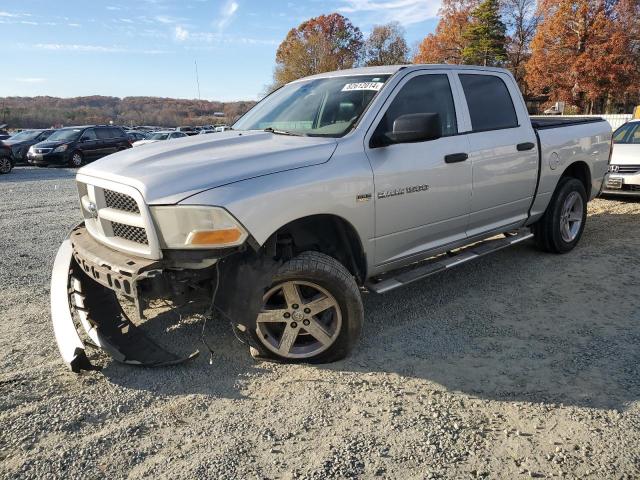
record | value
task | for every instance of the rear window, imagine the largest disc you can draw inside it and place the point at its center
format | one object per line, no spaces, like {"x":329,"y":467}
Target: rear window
{"x":489,"y":101}
{"x":103,"y":133}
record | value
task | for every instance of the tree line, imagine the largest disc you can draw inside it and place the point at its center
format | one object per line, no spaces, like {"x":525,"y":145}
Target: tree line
{"x":585,"y":53}
{"x":45,"y":112}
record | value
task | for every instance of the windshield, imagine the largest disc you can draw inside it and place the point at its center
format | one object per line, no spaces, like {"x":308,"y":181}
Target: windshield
{"x":66,"y":134}
{"x":326,"y":107}
{"x":629,"y":133}
{"x":159,"y":136}
{"x":26,"y":135}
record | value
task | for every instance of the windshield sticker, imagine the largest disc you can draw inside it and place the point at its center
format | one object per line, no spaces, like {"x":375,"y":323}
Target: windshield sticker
{"x":352,"y":87}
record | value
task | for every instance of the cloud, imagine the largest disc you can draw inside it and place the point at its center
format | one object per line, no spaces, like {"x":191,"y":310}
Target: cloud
{"x":74,"y":47}
{"x":31,"y":80}
{"x":181,"y":34}
{"x":405,"y":12}
{"x":227,"y":12}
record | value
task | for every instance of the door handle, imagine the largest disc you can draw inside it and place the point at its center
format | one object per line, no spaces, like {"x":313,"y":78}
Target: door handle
{"x":456,"y":157}
{"x":525,"y":146}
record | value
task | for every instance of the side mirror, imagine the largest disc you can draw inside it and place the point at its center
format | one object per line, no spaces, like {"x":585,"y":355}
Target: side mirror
{"x":416,"y":127}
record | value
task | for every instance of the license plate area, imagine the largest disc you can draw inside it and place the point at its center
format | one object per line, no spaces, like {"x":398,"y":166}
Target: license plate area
{"x":615,"y":183}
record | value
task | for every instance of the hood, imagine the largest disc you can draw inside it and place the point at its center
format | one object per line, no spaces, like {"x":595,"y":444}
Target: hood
{"x":138,"y":143}
{"x":54,"y":144}
{"x":15,"y":143}
{"x":626,"y":154}
{"x":167,"y":172}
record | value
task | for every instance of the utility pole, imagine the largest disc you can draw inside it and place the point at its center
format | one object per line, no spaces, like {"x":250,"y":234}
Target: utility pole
{"x":197,"y":79}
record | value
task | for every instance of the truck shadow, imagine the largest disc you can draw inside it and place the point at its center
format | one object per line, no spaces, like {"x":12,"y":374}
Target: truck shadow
{"x":519,"y":325}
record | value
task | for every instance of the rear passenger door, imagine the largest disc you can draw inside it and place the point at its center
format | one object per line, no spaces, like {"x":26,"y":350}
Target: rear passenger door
{"x":106,"y":141}
{"x":503,"y":151}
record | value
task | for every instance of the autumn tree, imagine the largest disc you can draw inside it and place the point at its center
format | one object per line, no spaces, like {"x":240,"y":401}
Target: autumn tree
{"x":448,"y":42}
{"x":320,"y":44}
{"x":521,"y":19}
{"x":386,"y":46}
{"x":585,"y":52}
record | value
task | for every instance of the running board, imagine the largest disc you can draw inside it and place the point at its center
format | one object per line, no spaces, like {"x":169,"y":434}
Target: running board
{"x":426,"y":268}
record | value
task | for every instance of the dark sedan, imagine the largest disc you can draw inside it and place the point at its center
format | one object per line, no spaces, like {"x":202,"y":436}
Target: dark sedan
{"x":21,"y":142}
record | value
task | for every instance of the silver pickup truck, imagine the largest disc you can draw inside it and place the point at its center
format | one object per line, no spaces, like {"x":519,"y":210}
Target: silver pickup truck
{"x":336,"y":184}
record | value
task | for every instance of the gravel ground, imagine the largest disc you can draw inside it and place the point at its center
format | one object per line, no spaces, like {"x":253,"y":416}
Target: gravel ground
{"x":520,"y":365}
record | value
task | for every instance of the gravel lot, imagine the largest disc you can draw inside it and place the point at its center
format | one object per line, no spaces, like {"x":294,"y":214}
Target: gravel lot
{"x":520,"y":365}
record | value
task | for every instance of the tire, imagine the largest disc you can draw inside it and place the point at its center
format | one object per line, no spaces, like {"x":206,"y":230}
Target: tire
{"x":560,"y":230}
{"x":325,"y":285}
{"x":5,"y":165}
{"x":76,"y":160}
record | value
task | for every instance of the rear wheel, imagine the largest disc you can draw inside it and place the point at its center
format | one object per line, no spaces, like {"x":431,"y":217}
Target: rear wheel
{"x":311,"y":313}
{"x":5,"y":165}
{"x":75,"y":160}
{"x":561,"y":227}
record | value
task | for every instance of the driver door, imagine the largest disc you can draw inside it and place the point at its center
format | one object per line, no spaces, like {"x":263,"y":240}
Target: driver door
{"x":89,"y":145}
{"x":422,"y":189}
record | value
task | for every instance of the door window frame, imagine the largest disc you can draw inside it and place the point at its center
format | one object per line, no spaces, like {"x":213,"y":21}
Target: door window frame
{"x":454,"y":85}
{"x":513,"y":91}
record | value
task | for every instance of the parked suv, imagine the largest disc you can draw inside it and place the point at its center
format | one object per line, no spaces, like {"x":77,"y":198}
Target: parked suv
{"x":22,"y":141}
{"x":74,"y":146}
{"x":6,"y":159}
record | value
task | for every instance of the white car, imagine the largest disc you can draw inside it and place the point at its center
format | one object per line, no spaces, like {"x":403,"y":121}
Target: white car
{"x":159,"y":136}
{"x":624,"y":170}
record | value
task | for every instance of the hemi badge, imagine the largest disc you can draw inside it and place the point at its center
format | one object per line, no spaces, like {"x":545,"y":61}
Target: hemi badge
{"x":363,"y":197}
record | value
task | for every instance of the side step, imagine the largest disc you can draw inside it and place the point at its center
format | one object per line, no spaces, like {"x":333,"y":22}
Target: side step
{"x":418,"y":271}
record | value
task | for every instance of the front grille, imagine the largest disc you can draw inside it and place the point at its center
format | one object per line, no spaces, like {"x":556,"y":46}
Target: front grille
{"x":129,"y":232}
{"x":43,"y":150}
{"x":120,"y":201}
{"x":628,"y":169}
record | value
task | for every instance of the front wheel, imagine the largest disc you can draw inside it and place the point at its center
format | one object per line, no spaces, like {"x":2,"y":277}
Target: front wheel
{"x":5,"y":165}
{"x":561,"y":227}
{"x":76,"y":160}
{"x":311,"y":313}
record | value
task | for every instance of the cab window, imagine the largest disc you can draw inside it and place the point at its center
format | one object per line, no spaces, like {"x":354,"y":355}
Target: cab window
{"x":423,"y":94}
{"x":489,"y":102}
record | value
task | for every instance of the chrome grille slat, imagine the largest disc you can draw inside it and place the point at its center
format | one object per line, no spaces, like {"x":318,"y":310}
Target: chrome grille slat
{"x":626,"y":169}
{"x":120,"y":201}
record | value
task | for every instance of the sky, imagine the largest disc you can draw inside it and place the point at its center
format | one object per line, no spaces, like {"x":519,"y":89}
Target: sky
{"x":69,"y":48}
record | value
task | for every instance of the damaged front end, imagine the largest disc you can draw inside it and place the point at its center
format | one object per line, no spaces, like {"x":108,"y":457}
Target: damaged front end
{"x":86,"y":281}
{"x":89,"y":282}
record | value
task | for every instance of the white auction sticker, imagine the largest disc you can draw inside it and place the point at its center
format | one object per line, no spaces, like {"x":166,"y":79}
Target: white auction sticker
{"x":350,"y":87}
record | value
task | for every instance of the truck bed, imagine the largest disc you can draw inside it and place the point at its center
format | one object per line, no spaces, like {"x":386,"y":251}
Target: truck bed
{"x":549,"y":121}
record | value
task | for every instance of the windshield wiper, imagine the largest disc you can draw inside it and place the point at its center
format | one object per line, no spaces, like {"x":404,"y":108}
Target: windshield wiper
{"x":281,"y":132}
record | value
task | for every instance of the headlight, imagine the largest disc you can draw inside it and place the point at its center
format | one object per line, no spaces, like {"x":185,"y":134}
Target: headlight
{"x":61,"y":148}
{"x":32,"y":149}
{"x":197,"y":227}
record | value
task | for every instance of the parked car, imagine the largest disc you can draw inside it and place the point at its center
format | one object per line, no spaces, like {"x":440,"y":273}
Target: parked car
{"x":6,"y":159}
{"x":624,"y":171}
{"x":222,"y":128}
{"x":22,"y":141}
{"x":159,"y":137}
{"x":188,"y":130}
{"x":75,"y":146}
{"x":369,"y":178}
{"x":206,"y":131}
{"x":135,"y":136}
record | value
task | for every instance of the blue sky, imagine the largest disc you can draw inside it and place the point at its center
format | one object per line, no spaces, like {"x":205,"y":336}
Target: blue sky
{"x":122,"y":48}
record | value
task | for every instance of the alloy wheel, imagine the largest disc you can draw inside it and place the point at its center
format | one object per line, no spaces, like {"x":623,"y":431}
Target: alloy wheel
{"x":571,"y":217}
{"x":299,"y":320}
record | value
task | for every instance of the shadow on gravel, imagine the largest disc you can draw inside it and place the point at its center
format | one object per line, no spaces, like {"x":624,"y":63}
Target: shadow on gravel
{"x":37,"y":174}
{"x":520,"y":325}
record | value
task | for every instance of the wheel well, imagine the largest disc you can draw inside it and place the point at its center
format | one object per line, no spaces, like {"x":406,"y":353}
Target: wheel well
{"x":580,"y":170}
{"x":329,"y":234}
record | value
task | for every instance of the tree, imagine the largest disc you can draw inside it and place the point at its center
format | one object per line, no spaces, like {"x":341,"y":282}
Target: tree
{"x":585,"y":52}
{"x":320,"y":44}
{"x":521,"y":19}
{"x":447,"y":43}
{"x":485,"y":36}
{"x":386,"y":46}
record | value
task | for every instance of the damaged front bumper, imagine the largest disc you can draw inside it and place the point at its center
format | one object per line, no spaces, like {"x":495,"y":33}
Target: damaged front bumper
{"x":84,"y":282}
